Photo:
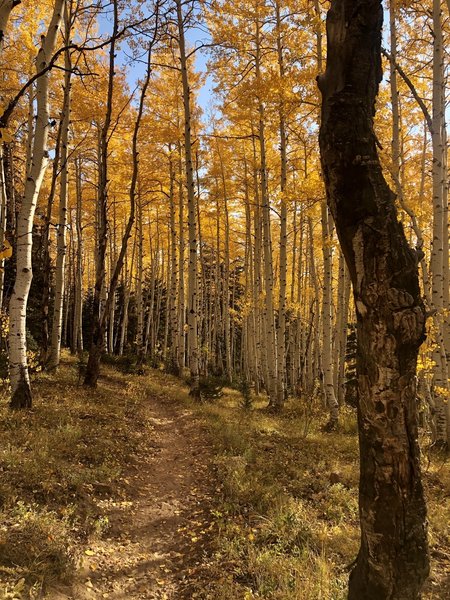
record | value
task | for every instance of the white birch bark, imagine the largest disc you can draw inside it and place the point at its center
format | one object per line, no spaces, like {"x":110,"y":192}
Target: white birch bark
{"x":269,"y":313}
{"x":78,"y":301}
{"x":327,"y":320}
{"x":3,"y":211}
{"x":6,"y":7}
{"x":192,"y":303}
{"x":281,"y":330}
{"x":20,"y":381}
{"x":439,"y":230}
{"x":61,"y":245}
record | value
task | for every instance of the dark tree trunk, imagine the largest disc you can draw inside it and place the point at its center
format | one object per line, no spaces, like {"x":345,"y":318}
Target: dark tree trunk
{"x":95,"y":354}
{"x":393,"y":560}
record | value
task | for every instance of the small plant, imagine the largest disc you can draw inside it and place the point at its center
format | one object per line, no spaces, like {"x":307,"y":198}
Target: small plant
{"x":210,"y":388}
{"x":13,"y":591}
{"x":37,"y":541}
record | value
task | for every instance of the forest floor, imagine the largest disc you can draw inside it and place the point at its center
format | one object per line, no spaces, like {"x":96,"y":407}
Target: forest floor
{"x":133,"y":492}
{"x":156,"y":544}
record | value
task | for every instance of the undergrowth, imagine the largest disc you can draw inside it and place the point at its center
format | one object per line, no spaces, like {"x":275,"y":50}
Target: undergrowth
{"x":288,"y":507}
{"x":56,"y":461}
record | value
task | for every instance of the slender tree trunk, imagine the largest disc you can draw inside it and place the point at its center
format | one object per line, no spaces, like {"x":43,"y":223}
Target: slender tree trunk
{"x":393,"y":560}
{"x":181,"y":268}
{"x":78,"y":301}
{"x":440,"y":230}
{"x":344,"y":287}
{"x":45,"y":246}
{"x":6,"y":7}
{"x":55,"y":350}
{"x":98,"y":309}
{"x":139,"y":284}
{"x":192,"y":301}
{"x":281,"y":329}
{"x":99,"y":326}
{"x":20,"y":382}
{"x":174,"y":273}
{"x":3,"y":212}
{"x":328,"y":361}
{"x":269,"y":312}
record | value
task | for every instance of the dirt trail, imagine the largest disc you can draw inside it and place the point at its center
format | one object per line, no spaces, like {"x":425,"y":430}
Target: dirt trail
{"x":157,"y":542}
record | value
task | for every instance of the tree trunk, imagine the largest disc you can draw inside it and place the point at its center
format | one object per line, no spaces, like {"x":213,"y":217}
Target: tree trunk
{"x":269,"y":314}
{"x":77,"y":342}
{"x":55,"y":349}
{"x":192,"y":303}
{"x":393,"y":560}
{"x":281,"y":328}
{"x":3,"y":211}
{"x":328,"y":361}
{"x":20,"y":382}
{"x":6,"y":7}
{"x":440,"y":230}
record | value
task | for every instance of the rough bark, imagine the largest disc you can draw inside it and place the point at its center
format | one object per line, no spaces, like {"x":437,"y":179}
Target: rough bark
{"x":393,"y":561}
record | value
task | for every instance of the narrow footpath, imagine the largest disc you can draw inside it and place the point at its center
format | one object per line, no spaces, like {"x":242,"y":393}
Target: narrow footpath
{"x":157,"y":540}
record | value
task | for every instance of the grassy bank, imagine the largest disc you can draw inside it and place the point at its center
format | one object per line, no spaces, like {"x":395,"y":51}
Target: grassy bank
{"x":57,"y":462}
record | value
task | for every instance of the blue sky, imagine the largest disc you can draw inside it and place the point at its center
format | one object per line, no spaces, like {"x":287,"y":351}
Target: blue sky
{"x":194,"y":37}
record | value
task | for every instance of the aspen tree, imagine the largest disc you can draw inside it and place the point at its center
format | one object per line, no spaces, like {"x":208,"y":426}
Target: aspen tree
{"x":3,"y":221}
{"x":281,"y":329}
{"x":55,"y":351}
{"x":20,"y":381}
{"x":77,"y":335}
{"x":192,"y":292}
{"x":440,"y":229}
{"x":100,"y":318}
{"x":181,"y":304}
{"x":174,"y":270}
{"x":6,"y":7}
{"x":328,"y":364}
{"x":269,"y":311}
{"x":343,"y":299}
{"x":393,"y":558}
{"x":98,"y":308}
{"x":139,"y":282}
{"x":328,"y":361}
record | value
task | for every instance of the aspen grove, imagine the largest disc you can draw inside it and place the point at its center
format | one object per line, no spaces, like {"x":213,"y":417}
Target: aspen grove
{"x":240,"y":194}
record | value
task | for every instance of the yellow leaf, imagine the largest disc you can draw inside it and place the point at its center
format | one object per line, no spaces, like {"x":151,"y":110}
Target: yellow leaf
{"x":5,"y":136}
{"x":6,"y":250}
{"x":89,"y":552}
